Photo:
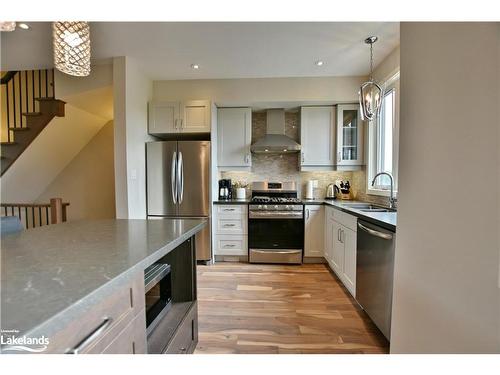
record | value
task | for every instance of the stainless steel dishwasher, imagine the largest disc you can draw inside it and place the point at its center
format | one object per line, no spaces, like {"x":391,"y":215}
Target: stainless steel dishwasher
{"x":374,"y":273}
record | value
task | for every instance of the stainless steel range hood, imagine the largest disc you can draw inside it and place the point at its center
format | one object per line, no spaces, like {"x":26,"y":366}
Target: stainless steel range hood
{"x":275,"y":140}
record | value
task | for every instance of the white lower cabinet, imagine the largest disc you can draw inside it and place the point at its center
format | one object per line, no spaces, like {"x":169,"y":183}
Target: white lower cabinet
{"x":230,"y":244}
{"x":314,"y":245}
{"x":337,"y":250}
{"x":230,"y":230}
{"x":341,"y":246}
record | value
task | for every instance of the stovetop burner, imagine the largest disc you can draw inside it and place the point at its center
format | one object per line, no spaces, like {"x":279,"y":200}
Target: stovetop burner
{"x":275,"y":200}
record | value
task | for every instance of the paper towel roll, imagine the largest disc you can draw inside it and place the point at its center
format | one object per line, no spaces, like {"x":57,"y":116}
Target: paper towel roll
{"x":310,"y":189}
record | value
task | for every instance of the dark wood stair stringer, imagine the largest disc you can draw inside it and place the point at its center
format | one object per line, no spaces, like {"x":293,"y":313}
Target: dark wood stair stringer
{"x":35,"y":123}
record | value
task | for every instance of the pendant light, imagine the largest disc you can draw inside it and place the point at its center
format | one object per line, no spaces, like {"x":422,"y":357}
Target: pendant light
{"x":7,"y":25}
{"x":370,"y":93}
{"x":71,"y":42}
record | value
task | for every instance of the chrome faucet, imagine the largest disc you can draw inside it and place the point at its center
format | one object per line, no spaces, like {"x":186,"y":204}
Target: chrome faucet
{"x":392,"y":199}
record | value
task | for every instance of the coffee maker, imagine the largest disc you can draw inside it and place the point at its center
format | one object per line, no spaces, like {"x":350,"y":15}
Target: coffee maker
{"x":225,"y":189}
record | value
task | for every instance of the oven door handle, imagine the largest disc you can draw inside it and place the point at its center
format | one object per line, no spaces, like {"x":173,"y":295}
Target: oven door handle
{"x":275,"y":215}
{"x":276,"y":251}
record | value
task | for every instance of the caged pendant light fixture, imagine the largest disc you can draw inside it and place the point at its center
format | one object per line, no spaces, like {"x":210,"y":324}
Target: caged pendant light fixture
{"x":370,"y":93}
{"x":71,"y":42}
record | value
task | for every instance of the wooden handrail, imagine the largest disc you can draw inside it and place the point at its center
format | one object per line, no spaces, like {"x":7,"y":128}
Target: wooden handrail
{"x":7,"y":77}
{"x":37,"y":214}
{"x":29,"y":204}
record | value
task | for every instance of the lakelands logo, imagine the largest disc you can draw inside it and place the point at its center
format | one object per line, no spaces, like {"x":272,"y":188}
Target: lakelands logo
{"x":11,"y":342}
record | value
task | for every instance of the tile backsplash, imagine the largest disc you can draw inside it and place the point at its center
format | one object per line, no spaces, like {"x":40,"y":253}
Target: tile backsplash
{"x":285,"y":167}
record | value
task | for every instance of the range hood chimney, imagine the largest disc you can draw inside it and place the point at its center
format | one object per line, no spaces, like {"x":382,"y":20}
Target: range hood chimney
{"x":275,"y":140}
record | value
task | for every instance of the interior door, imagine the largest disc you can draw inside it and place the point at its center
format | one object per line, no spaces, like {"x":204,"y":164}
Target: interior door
{"x":160,"y":179}
{"x":194,"y":180}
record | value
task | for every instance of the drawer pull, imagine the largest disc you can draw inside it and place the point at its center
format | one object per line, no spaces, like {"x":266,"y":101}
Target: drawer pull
{"x":230,"y":245}
{"x":228,"y":209}
{"x":229,"y":225}
{"x":183,"y":350}
{"x":91,"y":337}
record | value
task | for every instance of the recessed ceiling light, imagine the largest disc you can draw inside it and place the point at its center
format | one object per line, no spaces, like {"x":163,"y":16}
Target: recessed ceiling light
{"x":24,"y":26}
{"x":319,"y":63}
{"x":195,"y":66}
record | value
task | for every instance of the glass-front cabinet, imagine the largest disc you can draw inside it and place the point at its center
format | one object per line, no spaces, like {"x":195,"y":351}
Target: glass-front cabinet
{"x":349,"y":135}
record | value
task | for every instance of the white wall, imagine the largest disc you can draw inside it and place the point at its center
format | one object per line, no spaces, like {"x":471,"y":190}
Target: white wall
{"x":49,"y":153}
{"x":87,"y":182}
{"x":261,"y":91}
{"x":446,"y":296}
{"x":132,"y":91}
{"x":388,"y":66}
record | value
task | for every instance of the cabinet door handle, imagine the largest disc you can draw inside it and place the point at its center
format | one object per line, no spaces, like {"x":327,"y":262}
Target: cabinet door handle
{"x":307,"y":213}
{"x":302,"y":155}
{"x":91,"y":337}
{"x":340,"y":156}
{"x":175,"y":124}
{"x":338,"y":234}
{"x":342,"y":236}
{"x":182,"y":123}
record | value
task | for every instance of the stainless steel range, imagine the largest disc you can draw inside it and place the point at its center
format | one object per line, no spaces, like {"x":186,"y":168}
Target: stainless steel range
{"x":275,"y":223}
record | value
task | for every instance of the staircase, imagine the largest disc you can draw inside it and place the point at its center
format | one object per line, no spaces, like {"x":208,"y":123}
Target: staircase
{"x":28,"y":105}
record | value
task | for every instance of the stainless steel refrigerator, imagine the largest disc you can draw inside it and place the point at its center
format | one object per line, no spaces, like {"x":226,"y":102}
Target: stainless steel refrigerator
{"x":178,"y":181}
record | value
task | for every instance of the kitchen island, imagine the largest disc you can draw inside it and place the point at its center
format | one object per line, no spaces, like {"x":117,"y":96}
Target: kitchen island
{"x":64,"y":282}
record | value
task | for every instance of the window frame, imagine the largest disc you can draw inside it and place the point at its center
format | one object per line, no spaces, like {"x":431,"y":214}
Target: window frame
{"x":392,"y":83}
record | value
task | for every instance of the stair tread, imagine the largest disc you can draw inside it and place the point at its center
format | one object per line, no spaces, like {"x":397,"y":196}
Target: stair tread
{"x":20,"y":128}
{"x":42,"y":99}
{"x":8,"y":143}
{"x":32,"y":113}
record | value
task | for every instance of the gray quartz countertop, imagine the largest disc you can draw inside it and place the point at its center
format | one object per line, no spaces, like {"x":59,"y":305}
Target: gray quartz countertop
{"x":384,"y":219}
{"x":49,"y":269}
{"x":233,"y":201}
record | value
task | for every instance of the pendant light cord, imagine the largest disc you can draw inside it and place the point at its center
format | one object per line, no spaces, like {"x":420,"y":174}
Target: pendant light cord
{"x":371,"y":61}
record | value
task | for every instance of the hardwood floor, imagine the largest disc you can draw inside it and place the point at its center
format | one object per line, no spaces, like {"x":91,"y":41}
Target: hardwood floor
{"x":249,"y":308}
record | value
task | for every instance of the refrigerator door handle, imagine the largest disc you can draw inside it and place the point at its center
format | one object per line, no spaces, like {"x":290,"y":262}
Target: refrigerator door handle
{"x":173,"y":179}
{"x":180,"y":178}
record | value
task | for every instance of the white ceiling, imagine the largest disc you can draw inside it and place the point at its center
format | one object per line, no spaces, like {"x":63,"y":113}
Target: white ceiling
{"x":223,"y":50}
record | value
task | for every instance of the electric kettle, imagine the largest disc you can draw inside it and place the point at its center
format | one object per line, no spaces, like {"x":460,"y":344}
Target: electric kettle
{"x":331,"y":191}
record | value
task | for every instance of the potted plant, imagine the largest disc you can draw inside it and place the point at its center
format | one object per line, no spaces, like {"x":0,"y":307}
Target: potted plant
{"x":240,"y":188}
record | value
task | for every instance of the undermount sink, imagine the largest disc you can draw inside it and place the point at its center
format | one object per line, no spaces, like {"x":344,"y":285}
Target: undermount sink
{"x":378,"y":210}
{"x":368,"y":207}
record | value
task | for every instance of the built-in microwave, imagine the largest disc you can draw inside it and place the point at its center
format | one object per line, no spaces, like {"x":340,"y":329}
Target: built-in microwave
{"x":158,"y":288}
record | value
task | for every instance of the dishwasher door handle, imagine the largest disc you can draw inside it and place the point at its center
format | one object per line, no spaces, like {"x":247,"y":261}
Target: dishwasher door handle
{"x":376,"y":233}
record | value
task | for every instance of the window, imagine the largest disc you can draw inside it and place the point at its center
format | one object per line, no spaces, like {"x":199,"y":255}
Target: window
{"x":383,"y":141}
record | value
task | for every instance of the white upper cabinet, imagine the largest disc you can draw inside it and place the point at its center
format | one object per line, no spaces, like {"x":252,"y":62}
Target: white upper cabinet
{"x":191,"y":116}
{"x":314,"y":245}
{"x":163,"y":117}
{"x":195,"y":116}
{"x":234,"y":137}
{"x":349,"y":135}
{"x":317,"y":137}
